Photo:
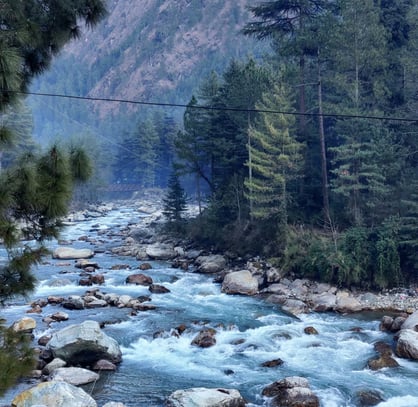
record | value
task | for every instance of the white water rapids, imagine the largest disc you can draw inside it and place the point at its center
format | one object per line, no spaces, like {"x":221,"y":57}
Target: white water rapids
{"x":249,"y":333}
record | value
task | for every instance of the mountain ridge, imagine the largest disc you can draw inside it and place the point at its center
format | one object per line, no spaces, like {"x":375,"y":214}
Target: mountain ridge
{"x":152,"y":50}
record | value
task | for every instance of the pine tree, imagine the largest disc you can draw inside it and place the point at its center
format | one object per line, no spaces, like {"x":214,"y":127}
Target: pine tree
{"x":276,"y":159}
{"x":175,"y":201}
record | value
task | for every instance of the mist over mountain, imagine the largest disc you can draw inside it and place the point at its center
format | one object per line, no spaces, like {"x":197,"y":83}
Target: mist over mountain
{"x":147,"y":50}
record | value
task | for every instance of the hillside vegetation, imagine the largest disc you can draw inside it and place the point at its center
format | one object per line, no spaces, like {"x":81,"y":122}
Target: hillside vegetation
{"x":148,"y":50}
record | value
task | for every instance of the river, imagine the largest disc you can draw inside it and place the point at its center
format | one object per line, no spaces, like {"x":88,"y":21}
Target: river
{"x":249,"y":332}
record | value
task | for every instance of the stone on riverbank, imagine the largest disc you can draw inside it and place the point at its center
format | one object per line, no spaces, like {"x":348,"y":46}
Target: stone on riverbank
{"x":24,"y":325}
{"x":68,"y":253}
{"x":213,"y":263}
{"x":240,"y":282}
{"x":54,"y":394}
{"x":204,"y":397}
{"x":83,"y":344}
{"x":160,"y":251}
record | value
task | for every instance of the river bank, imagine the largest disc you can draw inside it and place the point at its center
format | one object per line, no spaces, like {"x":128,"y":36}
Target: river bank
{"x":148,"y":242}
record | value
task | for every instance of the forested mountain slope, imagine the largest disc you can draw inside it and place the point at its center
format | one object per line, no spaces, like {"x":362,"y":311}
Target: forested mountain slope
{"x":148,"y":50}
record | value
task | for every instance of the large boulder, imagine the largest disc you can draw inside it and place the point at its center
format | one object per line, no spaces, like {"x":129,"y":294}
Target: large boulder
{"x":407,"y":345}
{"x":69,"y":253}
{"x":83,"y":344}
{"x":204,"y":397}
{"x":54,"y":394}
{"x":160,"y":251}
{"x":323,"y":302}
{"x":213,"y":263}
{"x":411,"y":322}
{"x":240,"y":282}
{"x":346,"y":303}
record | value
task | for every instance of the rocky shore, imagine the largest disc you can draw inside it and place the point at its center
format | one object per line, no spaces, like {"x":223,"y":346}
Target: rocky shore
{"x":66,"y":349}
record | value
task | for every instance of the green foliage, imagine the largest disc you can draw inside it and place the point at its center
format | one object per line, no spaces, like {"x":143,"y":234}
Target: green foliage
{"x":145,"y":154}
{"x":175,"y":203}
{"x":15,"y":347}
{"x":80,"y":164}
{"x":274,"y":158}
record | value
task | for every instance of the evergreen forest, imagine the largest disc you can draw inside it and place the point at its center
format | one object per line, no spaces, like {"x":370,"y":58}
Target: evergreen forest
{"x":309,"y":157}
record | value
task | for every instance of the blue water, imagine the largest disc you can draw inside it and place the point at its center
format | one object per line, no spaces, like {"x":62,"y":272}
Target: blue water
{"x":249,"y":332}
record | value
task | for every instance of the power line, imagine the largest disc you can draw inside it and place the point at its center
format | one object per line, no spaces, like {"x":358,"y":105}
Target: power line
{"x":225,"y":108}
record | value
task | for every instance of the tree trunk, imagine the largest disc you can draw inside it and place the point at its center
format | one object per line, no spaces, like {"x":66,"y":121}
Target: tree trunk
{"x":324,"y":170}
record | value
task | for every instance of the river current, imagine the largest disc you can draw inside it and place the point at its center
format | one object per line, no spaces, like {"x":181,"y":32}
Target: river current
{"x":249,"y":333}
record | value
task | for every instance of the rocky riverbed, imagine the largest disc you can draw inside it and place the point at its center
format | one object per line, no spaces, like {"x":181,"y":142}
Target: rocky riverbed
{"x":253,"y":277}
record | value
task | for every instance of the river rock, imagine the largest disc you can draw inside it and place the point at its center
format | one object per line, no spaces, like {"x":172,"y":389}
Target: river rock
{"x":67,"y":253}
{"x":158,"y":289}
{"x":240,"y":282}
{"x":73,"y":302}
{"x":73,"y":375}
{"x":213,"y":263}
{"x":346,"y":303}
{"x":54,"y":364}
{"x":278,"y":288}
{"x":160,"y":251}
{"x":205,"y":338}
{"x":59,"y":316}
{"x":83,"y":344}
{"x":139,"y":279}
{"x":24,"y":325}
{"x":104,"y":364}
{"x":97,"y":304}
{"x":323,"y":302}
{"x":145,"y":266}
{"x":295,"y":307}
{"x":310,"y":330}
{"x":54,"y":394}
{"x":204,"y":397}
{"x":272,"y":363}
{"x":365,"y":398}
{"x":291,"y":392}
{"x":411,"y":322}
{"x":385,"y":358}
{"x":86,"y":264}
{"x":407,"y":345}
{"x":273,"y":275}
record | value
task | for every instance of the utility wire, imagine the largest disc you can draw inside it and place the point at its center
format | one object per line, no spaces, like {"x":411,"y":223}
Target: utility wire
{"x":226,"y":108}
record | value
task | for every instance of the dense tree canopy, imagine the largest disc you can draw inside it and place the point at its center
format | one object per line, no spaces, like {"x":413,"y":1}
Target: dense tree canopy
{"x":342,"y":62}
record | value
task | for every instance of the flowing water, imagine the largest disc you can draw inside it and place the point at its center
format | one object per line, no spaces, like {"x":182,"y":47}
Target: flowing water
{"x":249,"y":332}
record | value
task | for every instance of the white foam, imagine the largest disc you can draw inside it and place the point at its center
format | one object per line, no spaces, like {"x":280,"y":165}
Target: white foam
{"x":405,"y":401}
